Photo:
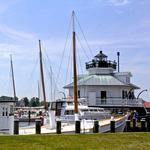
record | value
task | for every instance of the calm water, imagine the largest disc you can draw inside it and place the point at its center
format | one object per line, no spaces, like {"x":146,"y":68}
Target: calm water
{"x":26,"y":124}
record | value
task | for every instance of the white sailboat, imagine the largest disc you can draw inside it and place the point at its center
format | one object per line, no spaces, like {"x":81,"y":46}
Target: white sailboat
{"x":71,"y":110}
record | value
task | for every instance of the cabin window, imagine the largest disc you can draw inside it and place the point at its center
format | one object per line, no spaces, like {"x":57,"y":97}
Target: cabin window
{"x":70,"y":103}
{"x":69,"y":112}
{"x":79,"y":93}
{"x":59,"y":105}
{"x":53,"y":105}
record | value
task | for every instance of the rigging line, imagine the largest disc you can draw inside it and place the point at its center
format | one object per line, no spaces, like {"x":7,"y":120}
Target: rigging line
{"x":84,"y":36}
{"x":9,"y":84}
{"x":52,"y":73}
{"x":69,"y":27}
{"x":80,"y":64}
{"x":82,"y":46}
{"x":71,"y":70}
{"x":68,"y":65}
{"x":35,"y":65}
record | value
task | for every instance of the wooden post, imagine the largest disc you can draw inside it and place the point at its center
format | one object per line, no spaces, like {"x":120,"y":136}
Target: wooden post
{"x":16,"y":126}
{"x":96,"y":127}
{"x":38,"y":126}
{"x":58,"y":127}
{"x":112,"y":126}
{"x":134,"y":124}
{"x":77,"y":126}
{"x":143,"y":126}
{"x":29,"y":116}
{"x":148,"y":123}
{"x":128,"y":126}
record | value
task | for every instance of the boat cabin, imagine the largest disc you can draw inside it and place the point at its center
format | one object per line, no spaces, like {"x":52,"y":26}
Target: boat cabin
{"x":6,"y":113}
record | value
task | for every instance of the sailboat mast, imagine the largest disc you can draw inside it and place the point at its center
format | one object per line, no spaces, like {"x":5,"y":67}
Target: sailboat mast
{"x":42,"y":75}
{"x":75,"y":69}
{"x":13,"y":79}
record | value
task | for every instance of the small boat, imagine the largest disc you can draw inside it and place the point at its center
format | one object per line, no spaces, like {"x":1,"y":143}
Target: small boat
{"x":64,"y":110}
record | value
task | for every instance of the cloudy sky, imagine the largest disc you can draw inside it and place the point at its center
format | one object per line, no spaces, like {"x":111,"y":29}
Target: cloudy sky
{"x":108,"y":25}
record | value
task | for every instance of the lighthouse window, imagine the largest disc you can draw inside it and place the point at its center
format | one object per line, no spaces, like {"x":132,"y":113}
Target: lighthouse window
{"x":103,"y":95}
{"x":79,"y":93}
{"x":3,"y":112}
{"x":123,"y":94}
{"x":6,"y":112}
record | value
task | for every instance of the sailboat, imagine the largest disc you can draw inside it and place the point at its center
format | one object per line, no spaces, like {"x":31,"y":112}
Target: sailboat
{"x":75,"y":109}
{"x":71,"y":110}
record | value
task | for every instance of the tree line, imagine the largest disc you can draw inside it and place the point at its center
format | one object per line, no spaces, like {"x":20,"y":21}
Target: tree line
{"x":24,"y":102}
{"x":33,"y":102}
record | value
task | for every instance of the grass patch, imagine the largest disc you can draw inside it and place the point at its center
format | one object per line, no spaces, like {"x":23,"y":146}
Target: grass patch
{"x":116,"y":141}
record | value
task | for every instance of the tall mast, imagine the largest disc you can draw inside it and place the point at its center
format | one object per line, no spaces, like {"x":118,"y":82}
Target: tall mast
{"x":75,"y":71}
{"x":42,"y":75}
{"x":13,"y":79}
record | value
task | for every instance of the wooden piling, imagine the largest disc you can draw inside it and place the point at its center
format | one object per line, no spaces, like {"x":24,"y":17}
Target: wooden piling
{"x":58,"y":127}
{"x":77,"y":127}
{"x":38,"y":126}
{"x":143,"y":125}
{"x":16,"y":126}
{"x":96,"y":127}
{"x":148,"y":123}
{"x":112,"y":126}
{"x":128,"y":126}
{"x":134,"y":124}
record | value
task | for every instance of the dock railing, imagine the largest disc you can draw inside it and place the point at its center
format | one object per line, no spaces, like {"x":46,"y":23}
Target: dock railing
{"x":119,"y":102}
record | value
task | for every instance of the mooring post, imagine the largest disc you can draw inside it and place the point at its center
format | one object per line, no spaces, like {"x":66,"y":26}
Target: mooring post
{"x":143,"y":125}
{"x":77,"y":126}
{"x":148,"y":123}
{"x":112,"y":126}
{"x":16,"y":126}
{"x":58,"y":127}
{"x":38,"y":126}
{"x":96,"y":126}
{"x":29,"y":116}
{"x":128,"y":125}
{"x":134,"y":124}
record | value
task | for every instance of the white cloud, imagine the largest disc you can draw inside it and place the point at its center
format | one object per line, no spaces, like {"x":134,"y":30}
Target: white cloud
{"x":16,"y":35}
{"x":4,"y":6}
{"x":119,"y":2}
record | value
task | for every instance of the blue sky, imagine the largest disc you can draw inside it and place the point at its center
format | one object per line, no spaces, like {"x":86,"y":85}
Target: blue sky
{"x":109,"y":25}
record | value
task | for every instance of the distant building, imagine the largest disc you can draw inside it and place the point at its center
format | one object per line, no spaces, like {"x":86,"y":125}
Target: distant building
{"x":105,"y":87}
{"x":6,"y":113}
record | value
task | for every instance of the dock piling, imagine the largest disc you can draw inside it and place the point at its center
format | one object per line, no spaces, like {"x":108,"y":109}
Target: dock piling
{"x":112,"y":126}
{"x":128,"y":126}
{"x":148,"y":123}
{"x":96,"y":127}
{"x":143,"y":125}
{"x":77,"y":127}
{"x":58,"y":127}
{"x":38,"y":126}
{"x":16,"y":126}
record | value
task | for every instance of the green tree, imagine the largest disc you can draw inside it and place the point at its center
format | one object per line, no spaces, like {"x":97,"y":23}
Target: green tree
{"x":26,"y":101}
{"x":34,"y":102}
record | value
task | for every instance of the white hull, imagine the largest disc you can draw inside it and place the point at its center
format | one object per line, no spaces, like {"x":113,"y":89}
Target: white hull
{"x":86,"y":127}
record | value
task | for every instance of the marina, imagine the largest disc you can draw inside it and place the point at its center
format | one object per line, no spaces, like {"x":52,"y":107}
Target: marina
{"x":101,"y":100}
